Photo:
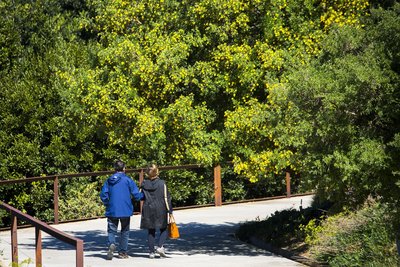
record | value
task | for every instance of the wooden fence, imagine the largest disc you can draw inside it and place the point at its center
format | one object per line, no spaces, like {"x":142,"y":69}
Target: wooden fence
{"x":140,"y":171}
{"x":77,"y":243}
{"x":39,"y":227}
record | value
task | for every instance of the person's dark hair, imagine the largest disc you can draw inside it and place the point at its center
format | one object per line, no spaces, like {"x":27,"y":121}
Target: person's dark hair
{"x":119,"y":165}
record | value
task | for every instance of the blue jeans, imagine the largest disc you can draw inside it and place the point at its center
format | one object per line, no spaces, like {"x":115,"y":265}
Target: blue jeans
{"x":112,"y":228}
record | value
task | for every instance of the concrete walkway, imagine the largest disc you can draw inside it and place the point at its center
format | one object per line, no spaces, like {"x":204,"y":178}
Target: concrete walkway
{"x":207,"y":239}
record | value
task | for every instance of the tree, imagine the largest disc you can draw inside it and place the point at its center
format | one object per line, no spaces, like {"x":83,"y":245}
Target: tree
{"x":350,"y":96}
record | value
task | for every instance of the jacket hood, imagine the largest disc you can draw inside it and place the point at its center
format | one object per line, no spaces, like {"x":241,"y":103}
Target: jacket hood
{"x":151,"y":185}
{"x":115,"y":178}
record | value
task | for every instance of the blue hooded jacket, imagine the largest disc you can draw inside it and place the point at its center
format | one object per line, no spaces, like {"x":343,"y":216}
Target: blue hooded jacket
{"x":116,"y":195}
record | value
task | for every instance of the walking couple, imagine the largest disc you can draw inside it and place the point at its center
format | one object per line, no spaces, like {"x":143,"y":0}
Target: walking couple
{"x":116,"y":195}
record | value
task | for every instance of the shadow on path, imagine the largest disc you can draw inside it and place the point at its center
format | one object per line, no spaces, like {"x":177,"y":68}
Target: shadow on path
{"x":196,"y":238}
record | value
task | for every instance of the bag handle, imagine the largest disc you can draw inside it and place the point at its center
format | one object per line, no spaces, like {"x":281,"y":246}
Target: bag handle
{"x":171,"y":218}
{"x":165,"y":197}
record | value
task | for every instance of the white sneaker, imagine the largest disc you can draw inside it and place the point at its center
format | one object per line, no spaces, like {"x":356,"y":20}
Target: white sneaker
{"x":161,"y":251}
{"x":110,"y":252}
{"x":152,"y":255}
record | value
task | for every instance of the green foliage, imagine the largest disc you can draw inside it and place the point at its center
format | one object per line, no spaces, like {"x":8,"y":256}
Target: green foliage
{"x":308,"y":87}
{"x":279,"y":229}
{"x":109,"y":62}
{"x":349,"y":96}
{"x":23,"y":263}
{"x":3,"y":214}
{"x":41,"y":197}
{"x":188,"y":140}
{"x":263,"y":142}
{"x":80,"y":200}
{"x":189,"y":187}
{"x":20,"y":201}
{"x":310,"y":230}
{"x":233,"y":186}
{"x":360,"y":238}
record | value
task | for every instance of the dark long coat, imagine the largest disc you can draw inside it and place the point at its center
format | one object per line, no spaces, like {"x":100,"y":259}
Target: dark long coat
{"x":154,"y":210}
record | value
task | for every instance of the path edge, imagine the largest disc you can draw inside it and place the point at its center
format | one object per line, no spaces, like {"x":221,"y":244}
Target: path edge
{"x":284,"y":253}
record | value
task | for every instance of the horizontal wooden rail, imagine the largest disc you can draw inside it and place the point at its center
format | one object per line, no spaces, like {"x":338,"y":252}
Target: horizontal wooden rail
{"x":77,"y":243}
{"x":55,"y":178}
{"x":39,"y":226}
{"x":99,"y":173}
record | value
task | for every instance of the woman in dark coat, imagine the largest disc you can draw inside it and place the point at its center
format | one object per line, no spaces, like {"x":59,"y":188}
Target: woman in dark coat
{"x":156,"y":206}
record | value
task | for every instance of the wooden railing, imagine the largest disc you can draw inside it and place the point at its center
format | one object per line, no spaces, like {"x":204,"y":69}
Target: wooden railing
{"x":140,"y":171}
{"x":77,"y":243}
{"x":39,"y":227}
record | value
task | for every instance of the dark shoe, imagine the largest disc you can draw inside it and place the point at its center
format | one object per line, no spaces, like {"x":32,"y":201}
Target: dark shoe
{"x":110,"y":252}
{"x":161,"y":252}
{"x":123,"y":255}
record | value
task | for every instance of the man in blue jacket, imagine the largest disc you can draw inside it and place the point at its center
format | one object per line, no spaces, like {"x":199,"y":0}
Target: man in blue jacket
{"x":116,"y":195}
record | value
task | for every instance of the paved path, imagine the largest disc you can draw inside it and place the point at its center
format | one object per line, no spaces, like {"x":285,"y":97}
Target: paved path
{"x":207,"y":239}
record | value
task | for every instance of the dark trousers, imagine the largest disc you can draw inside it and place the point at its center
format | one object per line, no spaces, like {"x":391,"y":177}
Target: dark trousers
{"x":112,"y":227}
{"x":152,"y":238}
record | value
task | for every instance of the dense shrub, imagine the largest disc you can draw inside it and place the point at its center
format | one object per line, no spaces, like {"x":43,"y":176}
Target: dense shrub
{"x":80,"y":201}
{"x":364,"y":237}
{"x":41,"y":197}
{"x":360,"y":238}
{"x":281,"y":228}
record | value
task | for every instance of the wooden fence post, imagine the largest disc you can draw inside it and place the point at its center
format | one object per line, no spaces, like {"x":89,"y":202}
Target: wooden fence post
{"x":14,"y":240}
{"x":38,"y":246}
{"x":217,"y":186}
{"x":79,"y":253}
{"x":141,"y":178}
{"x":55,"y":189}
{"x":288,"y":193}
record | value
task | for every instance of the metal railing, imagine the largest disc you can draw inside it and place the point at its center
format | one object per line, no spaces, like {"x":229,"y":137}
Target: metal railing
{"x":77,"y":243}
{"x":140,"y":171}
{"x":39,"y":227}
